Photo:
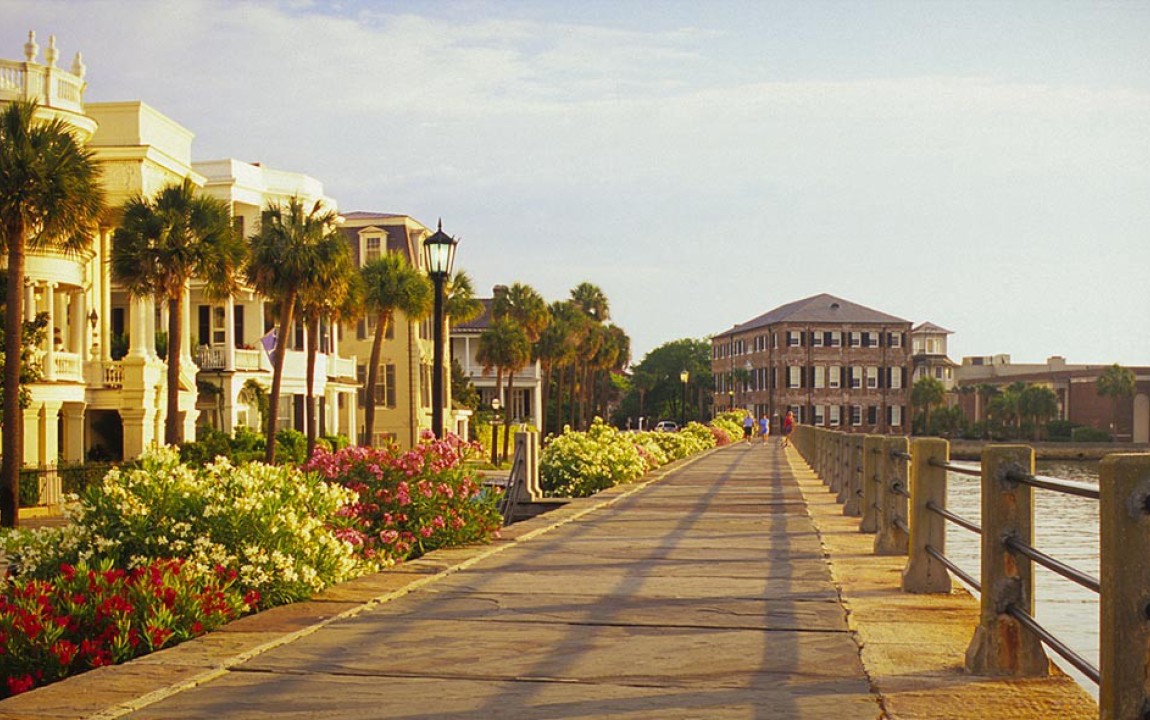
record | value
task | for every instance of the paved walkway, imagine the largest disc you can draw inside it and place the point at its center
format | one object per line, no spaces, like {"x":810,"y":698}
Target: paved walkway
{"x":704,"y":594}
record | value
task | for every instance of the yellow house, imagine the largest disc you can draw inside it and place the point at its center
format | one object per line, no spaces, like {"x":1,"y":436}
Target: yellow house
{"x":103,"y":392}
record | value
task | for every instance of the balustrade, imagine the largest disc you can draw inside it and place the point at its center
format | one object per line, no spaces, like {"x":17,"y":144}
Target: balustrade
{"x":902,"y":489}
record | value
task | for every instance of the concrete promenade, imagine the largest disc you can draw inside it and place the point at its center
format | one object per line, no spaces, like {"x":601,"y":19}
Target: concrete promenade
{"x":729,"y":586}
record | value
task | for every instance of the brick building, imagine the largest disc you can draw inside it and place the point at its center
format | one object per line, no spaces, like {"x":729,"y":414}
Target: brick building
{"x":832,"y":362}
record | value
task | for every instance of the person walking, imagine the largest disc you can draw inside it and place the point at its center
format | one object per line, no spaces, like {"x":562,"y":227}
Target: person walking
{"x":748,"y":427}
{"x":788,"y":427}
{"x":764,"y":428}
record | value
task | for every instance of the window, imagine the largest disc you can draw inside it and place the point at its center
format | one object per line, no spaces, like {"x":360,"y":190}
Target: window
{"x":794,"y":338}
{"x":856,"y":415}
{"x":836,"y":339}
{"x":820,"y":415}
{"x":820,"y":377}
{"x":872,"y":414}
{"x":856,"y":339}
{"x":798,"y":411}
{"x":835,"y":379}
{"x":794,"y":376}
{"x":385,"y":386}
{"x":895,"y":378}
{"x":219,"y":325}
{"x":372,"y":247}
{"x":238,"y":226}
{"x":817,"y":339}
{"x":894,"y":340}
{"x":835,"y":416}
{"x":856,"y":377}
{"x":938,"y":372}
{"x":895,"y":413}
{"x":872,"y":377}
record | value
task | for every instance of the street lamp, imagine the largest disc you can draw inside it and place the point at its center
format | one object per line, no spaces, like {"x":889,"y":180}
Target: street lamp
{"x":438,"y":257}
{"x":685,"y":377}
{"x":495,"y":419}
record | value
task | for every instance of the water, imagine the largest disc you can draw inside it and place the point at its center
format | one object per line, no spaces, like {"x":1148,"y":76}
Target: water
{"x":1066,"y":527}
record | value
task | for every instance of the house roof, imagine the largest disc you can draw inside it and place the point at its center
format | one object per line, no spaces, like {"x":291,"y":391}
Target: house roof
{"x":479,"y":324}
{"x":929,"y":327}
{"x":821,"y":308}
{"x":362,"y":215}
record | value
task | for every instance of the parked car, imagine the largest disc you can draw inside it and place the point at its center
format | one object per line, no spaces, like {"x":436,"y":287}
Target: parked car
{"x":667,"y":426}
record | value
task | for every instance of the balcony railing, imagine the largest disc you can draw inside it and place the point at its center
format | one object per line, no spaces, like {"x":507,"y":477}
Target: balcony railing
{"x":49,"y":86}
{"x":69,"y":367}
{"x":113,"y":374}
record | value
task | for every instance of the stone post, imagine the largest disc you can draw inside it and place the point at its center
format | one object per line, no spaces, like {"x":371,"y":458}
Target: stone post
{"x":924,"y":573}
{"x":892,"y":539}
{"x":1124,"y":659}
{"x":1001,"y":645}
{"x":852,"y":502}
{"x":872,"y":456}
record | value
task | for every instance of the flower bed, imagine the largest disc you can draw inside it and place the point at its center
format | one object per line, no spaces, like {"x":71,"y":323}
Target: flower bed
{"x":161,"y":552}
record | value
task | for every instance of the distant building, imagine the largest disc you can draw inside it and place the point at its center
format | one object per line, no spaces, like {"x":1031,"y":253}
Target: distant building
{"x":832,"y":362}
{"x":928,"y":354}
{"x":1074,"y":384}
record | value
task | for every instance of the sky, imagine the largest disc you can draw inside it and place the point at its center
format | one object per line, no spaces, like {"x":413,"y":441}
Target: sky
{"x":984,"y":166}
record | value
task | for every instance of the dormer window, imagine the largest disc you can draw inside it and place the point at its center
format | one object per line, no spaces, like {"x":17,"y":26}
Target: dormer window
{"x":371,"y":246}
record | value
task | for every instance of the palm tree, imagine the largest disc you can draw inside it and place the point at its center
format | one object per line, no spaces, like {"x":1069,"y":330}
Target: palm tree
{"x":1039,"y":403}
{"x":503,"y":347}
{"x":1116,"y":382}
{"x":338,"y":295}
{"x":50,"y":196}
{"x":555,"y":350}
{"x":160,"y":246}
{"x":390,"y":284}
{"x":927,"y":393}
{"x":460,"y":304}
{"x":287,"y":257}
{"x":592,"y":301}
{"x":526,"y":309}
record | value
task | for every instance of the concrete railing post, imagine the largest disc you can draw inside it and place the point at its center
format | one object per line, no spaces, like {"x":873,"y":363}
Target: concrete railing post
{"x":872,"y":454}
{"x":1001,"y":645}
{"x":1124,"y":659}
{"x":852,"y":502}
{"x":836,"y":465}
{"x":892,"y":537}
{"x":924,"y":573}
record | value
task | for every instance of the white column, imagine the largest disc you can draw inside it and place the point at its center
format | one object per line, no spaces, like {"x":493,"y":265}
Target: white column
{"x":230,"y":334}
{"x":137,"y":334}
{"x":150,"y":324}
{"x":78,"y":321}
{"x":30,"y":301}
{"x":186,"y":331}
{"x":60,"y":318}
{"x":50,"y":341}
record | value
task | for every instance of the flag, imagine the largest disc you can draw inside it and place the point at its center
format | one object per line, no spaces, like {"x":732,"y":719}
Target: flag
{"x":269,"y":343}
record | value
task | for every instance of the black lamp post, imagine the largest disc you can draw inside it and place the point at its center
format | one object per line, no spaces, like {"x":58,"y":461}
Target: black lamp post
{"x":685,"y":377}
{"x":438,"y":256}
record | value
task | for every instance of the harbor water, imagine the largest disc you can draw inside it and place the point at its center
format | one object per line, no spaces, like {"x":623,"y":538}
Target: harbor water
{"x":1066,"y":527}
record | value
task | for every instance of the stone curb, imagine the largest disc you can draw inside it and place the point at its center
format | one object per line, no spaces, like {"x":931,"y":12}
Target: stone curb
{"x":114,"y":691}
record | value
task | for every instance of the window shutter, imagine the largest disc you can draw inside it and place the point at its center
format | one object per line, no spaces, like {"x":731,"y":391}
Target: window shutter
{"x":205,"y":324}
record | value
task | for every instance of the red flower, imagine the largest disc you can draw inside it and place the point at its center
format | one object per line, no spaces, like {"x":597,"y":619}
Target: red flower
{"x":252,"y":598}
{"x":17,"y":685}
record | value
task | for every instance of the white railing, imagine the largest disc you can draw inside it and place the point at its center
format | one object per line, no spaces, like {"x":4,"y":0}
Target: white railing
{"x":250,"y":360}
{"x":50,"y":86}
{"x":113,"y":374}
{"x":210,"y":358}
{"x":339,"y":367}
{"x":69,"y":367}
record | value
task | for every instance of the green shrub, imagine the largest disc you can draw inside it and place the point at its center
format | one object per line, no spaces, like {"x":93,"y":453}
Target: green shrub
{"x":291,"y":447}
{"x":579,"y":464}
{"x":30,"y":487}
{"x":1059,"y":430}
{"x":1089,"y":434}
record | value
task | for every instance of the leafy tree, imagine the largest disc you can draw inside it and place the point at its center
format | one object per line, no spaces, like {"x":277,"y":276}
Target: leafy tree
{"x":31,"y":360}
{"x":927,"y":394}
{"x":391,"y":285}
{"x":556,"y":351}
{"x":50,"y":196}
{"x":463,"y":392}
{"x":1117,"y":383}
{"x":1005,"y":408}
{"x":287,"y":256}
{"x":460,"y":303}
{"x":161,"y":244}
{"x":657,"y":377}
